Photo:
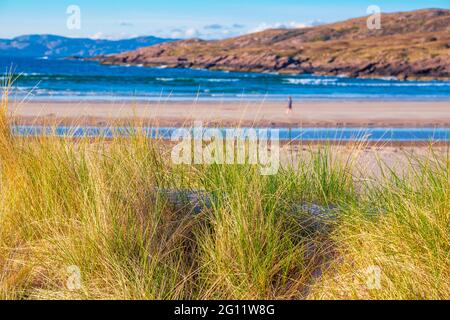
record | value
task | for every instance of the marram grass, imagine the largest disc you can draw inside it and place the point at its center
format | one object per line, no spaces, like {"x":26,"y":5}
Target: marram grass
{"x":93,"y":205}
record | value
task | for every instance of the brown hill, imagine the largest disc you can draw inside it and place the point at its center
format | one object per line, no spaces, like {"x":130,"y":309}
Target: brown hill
{"x":410,"y":45}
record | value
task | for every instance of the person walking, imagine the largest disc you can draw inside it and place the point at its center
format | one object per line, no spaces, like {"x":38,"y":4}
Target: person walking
{"x":289,"y":107}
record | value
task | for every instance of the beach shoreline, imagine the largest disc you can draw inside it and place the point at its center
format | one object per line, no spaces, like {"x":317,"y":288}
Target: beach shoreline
{"x":383,"y":114}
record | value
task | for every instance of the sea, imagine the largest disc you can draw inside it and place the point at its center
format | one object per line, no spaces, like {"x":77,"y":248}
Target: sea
{"x":51,"y":79}
{"x":281,"y":134}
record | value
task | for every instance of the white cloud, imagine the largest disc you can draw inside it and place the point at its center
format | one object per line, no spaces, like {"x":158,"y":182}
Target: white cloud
{"x":206,"y":32}
{"x":126,"y":24}
{"x":97,"y":36}
{"x":192,"y":33}
{"x":214,"y":26}
{"x":185,"y":33}
{"x":115,"y":36}
{"x":222,"y":31}
{"x":284,"y":25}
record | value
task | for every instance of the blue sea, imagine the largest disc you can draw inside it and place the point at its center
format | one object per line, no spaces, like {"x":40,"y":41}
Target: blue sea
{"x":283,"y":134}
{"x":40,"y":78}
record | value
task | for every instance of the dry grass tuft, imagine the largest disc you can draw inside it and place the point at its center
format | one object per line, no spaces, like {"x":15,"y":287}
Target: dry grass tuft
{"x":94,"y":205}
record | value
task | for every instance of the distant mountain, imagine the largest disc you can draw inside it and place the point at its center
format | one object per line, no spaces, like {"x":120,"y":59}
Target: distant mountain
{"x":409,"y":45}
{"x":58,"y":47}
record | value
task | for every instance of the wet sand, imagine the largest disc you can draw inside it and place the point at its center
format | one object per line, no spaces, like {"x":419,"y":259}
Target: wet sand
{"x":245,"y":113}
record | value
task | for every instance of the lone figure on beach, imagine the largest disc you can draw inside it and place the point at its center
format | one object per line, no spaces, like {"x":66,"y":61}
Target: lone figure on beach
{"x":289,"y":108}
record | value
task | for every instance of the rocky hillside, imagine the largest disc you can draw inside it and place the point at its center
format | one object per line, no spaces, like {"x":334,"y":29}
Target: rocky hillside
{"x":410,"y":45}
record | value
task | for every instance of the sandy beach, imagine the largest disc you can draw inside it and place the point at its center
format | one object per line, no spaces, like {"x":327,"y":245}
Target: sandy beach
{"x":245,"y":113}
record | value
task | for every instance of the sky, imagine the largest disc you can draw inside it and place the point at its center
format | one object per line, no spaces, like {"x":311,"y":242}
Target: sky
{"x":207,"y":19}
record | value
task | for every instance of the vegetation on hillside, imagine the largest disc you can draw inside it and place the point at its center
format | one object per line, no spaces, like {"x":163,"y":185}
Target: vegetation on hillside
{"x":409,"y":45}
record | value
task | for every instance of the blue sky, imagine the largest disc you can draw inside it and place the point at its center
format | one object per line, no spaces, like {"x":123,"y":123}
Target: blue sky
{"x":183,"y":18}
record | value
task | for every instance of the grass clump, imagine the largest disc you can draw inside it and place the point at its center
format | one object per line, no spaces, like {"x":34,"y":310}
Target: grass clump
{"x":398,"y":231}
{"x":95,"y":206}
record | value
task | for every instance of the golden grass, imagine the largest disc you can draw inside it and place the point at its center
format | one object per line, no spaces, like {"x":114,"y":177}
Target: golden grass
{"x":93,"y":204}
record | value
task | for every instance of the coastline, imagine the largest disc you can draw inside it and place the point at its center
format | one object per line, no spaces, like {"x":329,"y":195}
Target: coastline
{"x":383,"y":114}
{"x":325,"y":73}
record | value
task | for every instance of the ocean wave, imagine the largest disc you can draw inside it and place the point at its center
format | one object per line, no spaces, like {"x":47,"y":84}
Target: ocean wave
{"x":165,"y":79}
{"x":222,"y":80}
{"x":310,"y":81}
{"x":354,"y":84}
{"x":32,"y":74}
{"x":387,"y":83}
{"x":389,"y":78}
{"x":19,"y":89}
